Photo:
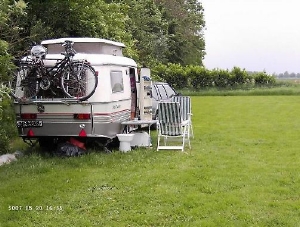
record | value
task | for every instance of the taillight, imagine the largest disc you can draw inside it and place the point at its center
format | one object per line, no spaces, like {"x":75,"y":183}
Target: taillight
{"x":82,"y":116}
{"x":82,"y":133}
{"x":28,"y":116}
{"x":97,"y":73}
{"x":30,"y":133}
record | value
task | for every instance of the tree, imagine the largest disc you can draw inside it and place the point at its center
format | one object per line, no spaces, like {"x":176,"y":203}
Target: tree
{"x":185,"y":30}
{"x":10,"y":27}
{"x":74,"y":18}
{"x":149,"y":31}
{"x":164,"y":31}
{"x":12,"y":17}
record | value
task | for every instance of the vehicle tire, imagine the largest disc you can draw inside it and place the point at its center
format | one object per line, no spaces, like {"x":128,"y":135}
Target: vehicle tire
{"x":23,"y":84}
{"x":47,"y":143}
{"x":79,"y":81}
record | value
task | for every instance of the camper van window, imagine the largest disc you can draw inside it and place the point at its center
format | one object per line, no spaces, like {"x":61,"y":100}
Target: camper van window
{"x":116,"y":79}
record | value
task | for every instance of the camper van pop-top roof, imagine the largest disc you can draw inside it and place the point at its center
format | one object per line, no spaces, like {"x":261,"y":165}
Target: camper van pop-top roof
{"x":86,"y":46}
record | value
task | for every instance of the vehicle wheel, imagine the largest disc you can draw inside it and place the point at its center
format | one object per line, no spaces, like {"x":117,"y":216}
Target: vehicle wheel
{"x":80,"y":81}
{"x":47,"y":143}
{"x":23,"y":84}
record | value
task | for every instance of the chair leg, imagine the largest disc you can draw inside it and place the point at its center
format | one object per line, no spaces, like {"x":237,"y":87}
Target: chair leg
{"x":192,"y":131}
{"x":188,"y":135}
{"x":188,"y":131}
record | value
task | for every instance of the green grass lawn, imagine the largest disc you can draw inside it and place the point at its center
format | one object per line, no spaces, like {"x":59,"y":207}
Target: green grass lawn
{"x":243,"y":170}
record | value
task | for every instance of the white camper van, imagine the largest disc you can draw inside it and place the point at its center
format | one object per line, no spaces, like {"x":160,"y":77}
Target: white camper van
{"x":118,"y":97}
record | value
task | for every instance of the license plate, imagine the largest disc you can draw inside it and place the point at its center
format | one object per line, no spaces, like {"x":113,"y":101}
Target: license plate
{"x":29,"y":124}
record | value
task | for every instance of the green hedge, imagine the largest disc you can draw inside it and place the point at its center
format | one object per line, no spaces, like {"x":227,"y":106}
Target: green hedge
{"x":174,"y":74}
{"x":7,"y":124}
{"x":8,"y":130}
{"x":198,"y":77}
{"x":264,"y":79}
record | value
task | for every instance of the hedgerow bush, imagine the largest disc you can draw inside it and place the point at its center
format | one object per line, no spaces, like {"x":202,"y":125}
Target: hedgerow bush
{"x":222,"y":78}
{"x":7,"y":129}
{"x":173,"y":74}
{"x":7,"y":124}
{"x":6,"y":65}
{"x":239,"y":77}
{"x":263,"y":79}
{"x":197,"y":77}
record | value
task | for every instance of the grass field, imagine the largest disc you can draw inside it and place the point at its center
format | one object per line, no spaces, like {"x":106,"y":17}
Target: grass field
{"x":243,"y":170}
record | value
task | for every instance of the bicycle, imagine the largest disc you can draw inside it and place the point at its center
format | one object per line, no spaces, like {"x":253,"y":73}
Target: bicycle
{"x":68,"y":78}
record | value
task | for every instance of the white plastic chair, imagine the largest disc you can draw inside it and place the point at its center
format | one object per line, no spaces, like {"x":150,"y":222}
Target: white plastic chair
{"x":171,"y":127}
{"x":186,"y":111}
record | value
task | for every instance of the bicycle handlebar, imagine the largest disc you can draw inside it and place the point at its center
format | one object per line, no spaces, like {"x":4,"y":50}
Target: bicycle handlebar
{"x":68,"y":45}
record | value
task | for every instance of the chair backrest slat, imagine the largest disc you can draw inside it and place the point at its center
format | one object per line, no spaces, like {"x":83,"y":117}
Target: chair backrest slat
{"x":185,"y":105}
{"x":169,"y":118}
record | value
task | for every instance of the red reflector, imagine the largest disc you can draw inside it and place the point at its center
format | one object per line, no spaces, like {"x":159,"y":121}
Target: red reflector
{"x":82,"y":116}
{"x":82,"y":133}
{"x":30,"y":133}
{"x":28,"y":116}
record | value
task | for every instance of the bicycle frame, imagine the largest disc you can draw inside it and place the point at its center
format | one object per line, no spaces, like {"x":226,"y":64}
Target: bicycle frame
{"x":48,"y":78}
{"x":59,"y":66}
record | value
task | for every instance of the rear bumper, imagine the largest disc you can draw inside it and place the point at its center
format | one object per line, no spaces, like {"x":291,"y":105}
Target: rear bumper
{"x":71,"y":129}
{"x":58,"y":120}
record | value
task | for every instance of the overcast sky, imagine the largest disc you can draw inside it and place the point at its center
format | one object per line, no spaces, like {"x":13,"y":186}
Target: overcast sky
{"x":253,"y":34}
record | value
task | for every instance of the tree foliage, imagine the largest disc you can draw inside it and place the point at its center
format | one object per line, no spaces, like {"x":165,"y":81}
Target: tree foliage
{"x":12,"y":22}
{"x":148,"y":30}
{"x":11,"y":14}
{"x":154,"y":31}
{"x":185,"y":30}
{"x":93,"y":18}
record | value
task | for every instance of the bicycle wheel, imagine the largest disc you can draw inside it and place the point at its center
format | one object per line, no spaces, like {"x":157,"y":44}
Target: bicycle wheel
{"x":79,"y":81}
{"x":23,"y":84}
